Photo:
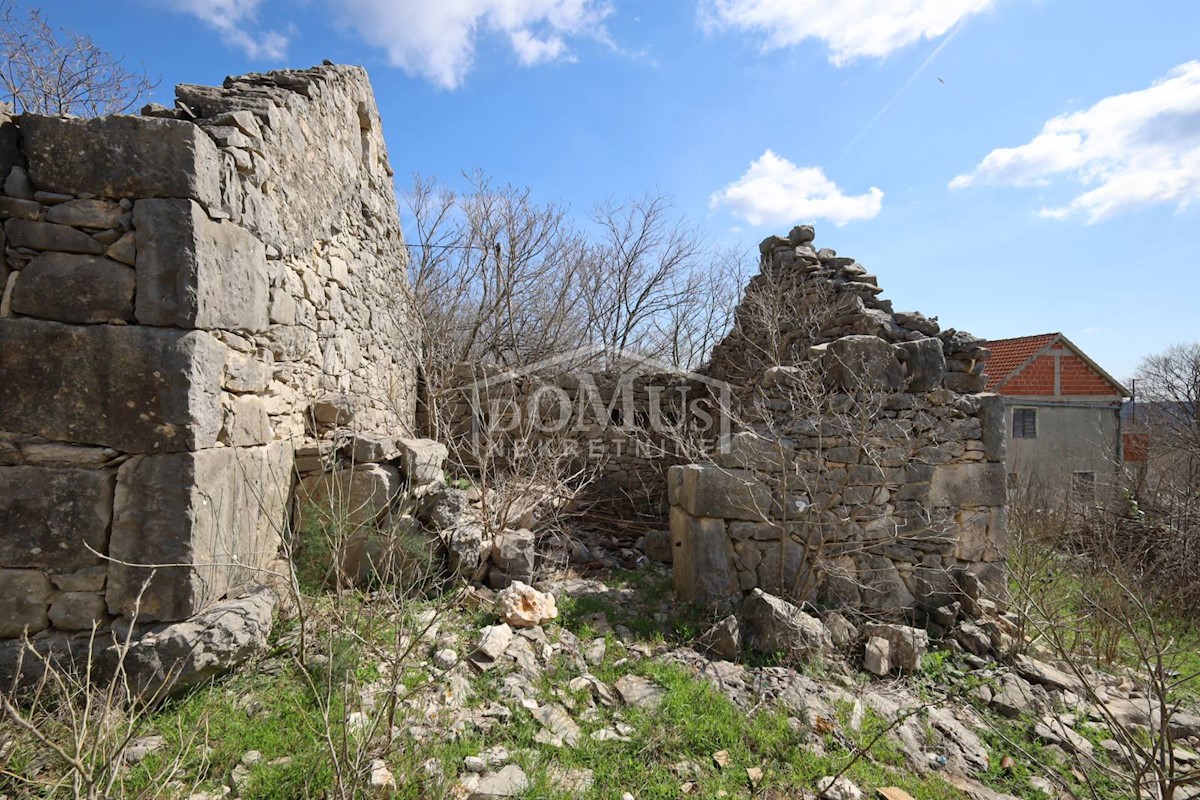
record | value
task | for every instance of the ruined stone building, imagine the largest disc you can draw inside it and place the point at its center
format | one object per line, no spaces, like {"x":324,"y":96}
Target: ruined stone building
{"x":197,"y":300}
{"x":180,"y":288}
{"x":868,"y":471}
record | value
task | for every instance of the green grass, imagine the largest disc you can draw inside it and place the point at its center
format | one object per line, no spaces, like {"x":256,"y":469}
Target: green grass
{"x":212,"y":729}
{"x":693,"y":723}
{"x":653,"y":590}
{"x":1103,"y":624}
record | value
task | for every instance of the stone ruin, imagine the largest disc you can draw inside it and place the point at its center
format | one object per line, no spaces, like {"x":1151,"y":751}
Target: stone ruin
{"x":206,"y":323}
{"x":868,"y":469}
{"x":190,"y":297}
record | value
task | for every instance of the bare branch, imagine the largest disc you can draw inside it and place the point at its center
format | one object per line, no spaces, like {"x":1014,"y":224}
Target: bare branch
{"x":61,"y":72}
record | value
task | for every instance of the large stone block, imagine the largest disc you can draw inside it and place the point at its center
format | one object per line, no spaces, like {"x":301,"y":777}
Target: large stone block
{"x":48,"y":236}
{"x":882,"y":588}
{"x":748,"y":450}
{"x":246,"y":421}
{"x":24,"y":602}
{"x":122,"y":156}
{"x":786,"y":570}
{"x":980,"y":535}
{"x":75,"y":288}
{"x":49,"y":517}
{"x":995,"y":429}
{"x":135,"y":389}
{"x":773,"y":625}
{"x":193,"y":525}
{"x":705,"y":490}
{"x":78,"y":611}
{"x":907,"y":646}
{"x":193,"y":272}
{"x":423,"y":460}
{"x":968,"y":485}
{"x":704,"y":566}
{"x":170,"y":659}
{"x":95,"y":214}
{"x":862,"y":363}
{"x":924,"y":363}
{"x":356,"y":496}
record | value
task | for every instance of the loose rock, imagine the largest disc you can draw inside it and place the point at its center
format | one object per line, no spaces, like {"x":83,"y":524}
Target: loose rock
{"x":522,"y":606}
{"x":774,"y":625}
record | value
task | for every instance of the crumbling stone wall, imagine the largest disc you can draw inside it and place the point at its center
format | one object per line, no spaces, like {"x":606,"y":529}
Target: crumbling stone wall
{"x":867,"y":470}
{"x":182,"y":290}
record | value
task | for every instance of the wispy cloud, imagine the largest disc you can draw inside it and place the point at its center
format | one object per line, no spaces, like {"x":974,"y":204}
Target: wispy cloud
{"x":1133,"y":149}
{"x":776,"y":191}
{"x":237,"y":22}
{"x":436,"y":40}
{"x":851,"y":29}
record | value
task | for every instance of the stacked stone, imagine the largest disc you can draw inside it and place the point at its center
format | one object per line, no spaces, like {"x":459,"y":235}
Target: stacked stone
{"x":864,"y":476}
{"x":357,"y":477}
{"x":179,"y":288}
{"x":819,"y":297}
{"x":304,"y":165}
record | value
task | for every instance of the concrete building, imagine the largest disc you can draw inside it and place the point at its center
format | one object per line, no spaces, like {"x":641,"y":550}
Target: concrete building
{"x":1063,"y":413}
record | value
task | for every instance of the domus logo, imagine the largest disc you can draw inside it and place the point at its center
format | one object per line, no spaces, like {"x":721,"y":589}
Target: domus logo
{"x":606,"y":402}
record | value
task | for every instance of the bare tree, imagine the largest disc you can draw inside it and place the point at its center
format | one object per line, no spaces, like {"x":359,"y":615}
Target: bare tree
{"x":1170,"y":383}
{"x":689,"y":329}
{"x":648,"y":271}
{"x":504,"y":281}
{"x":60,"y":72}
{"x":496,"y":281}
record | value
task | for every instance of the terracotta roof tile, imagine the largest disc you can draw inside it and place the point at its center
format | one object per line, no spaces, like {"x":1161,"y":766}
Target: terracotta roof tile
{"x":1010,"y":354}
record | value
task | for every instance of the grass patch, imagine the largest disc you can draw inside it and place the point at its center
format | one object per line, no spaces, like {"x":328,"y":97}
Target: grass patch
{"x":653,"y":617}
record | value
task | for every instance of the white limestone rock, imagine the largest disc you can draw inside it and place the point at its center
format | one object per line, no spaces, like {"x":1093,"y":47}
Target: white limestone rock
{"x":522,"y":606}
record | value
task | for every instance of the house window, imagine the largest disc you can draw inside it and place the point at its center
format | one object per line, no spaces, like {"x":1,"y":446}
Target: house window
{"x":1024,"y":423}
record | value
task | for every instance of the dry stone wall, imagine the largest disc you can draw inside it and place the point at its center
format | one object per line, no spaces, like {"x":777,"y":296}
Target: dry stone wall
{"x":183,"y":292}
{"x":867,"y":470}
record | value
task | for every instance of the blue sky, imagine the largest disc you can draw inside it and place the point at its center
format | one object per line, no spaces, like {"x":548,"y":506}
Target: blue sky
{"x":1011,"y":166}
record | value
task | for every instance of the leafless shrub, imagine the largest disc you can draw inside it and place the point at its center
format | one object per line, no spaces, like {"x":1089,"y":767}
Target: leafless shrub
{"x":1115,"y":617}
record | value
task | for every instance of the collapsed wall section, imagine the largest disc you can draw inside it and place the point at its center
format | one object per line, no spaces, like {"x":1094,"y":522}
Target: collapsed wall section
{"x":867,"y":470}
{"x":179,"y":289}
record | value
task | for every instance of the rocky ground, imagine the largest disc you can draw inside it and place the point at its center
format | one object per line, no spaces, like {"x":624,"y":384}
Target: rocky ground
{"x":604,"y":687}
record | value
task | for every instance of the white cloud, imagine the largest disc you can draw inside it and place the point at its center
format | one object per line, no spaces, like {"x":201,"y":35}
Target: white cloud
{"x":532,"y":50}
{"x":237,"y":22}
{"x":776,"y":191}
{"x":849,"y":28}
{"x":435,"y":39}
{"x":1131,"y":149}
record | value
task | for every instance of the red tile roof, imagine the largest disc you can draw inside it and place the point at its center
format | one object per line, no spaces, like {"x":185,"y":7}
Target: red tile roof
{"x":1009,"y":354}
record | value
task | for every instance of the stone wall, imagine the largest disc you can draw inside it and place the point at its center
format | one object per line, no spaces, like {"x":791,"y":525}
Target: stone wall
{"x":183,"y":291}
{"x":867,"y":470}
